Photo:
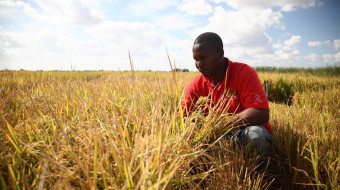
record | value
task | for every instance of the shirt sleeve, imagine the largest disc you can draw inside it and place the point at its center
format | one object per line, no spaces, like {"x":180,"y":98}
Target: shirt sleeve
{"x":251,"y":91}
{"x":189,"y":98}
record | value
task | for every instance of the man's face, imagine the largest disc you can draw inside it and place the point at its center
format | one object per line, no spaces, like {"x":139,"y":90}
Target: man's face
{"x":207,"y":60}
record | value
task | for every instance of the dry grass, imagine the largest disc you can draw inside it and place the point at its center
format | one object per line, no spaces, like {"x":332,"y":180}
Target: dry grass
{"x":115,"y":130}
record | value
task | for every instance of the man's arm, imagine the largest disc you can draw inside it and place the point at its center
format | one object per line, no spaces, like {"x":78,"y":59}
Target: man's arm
{"x":253,"y":98}
{"x":189,"y":98}
{"x":253,"y":116}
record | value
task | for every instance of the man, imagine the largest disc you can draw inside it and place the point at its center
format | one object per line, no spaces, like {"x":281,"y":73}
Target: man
{"x":232,"y":86}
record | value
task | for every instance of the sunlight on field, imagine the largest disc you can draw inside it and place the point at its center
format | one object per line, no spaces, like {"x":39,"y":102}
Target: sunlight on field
{"x":113,"y":130}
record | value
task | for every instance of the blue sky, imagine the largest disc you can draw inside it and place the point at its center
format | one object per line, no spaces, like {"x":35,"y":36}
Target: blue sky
{"x":96,"y":35}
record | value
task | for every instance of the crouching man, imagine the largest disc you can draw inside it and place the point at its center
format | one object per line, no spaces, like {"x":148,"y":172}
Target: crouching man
{"x":238,"y":84}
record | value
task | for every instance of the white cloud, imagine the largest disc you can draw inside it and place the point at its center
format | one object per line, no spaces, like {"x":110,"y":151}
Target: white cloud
{"x":313,"y":57}
{"x":248,"y":28}
{"x":9,"y":9}
{"x":325,"y":59}
{"x":328,"y":58}
{"x":175,"y":21}
{"x":318,"y":43}
{"x":284,"y":5}
{"x":195,"y":7}
{"x":136,"y":36}
{"x":5,"y":40}
{"x":61,"y":12}
{"x":255,"y":56}
{"x":294,"y":40}
{"x":337,"y":58}
{"x":144,"y":7}
{"x":102,"y":46}
{"x":288,"y":50}
{"x":58,"y":48}
{"x":286,"y":55}
{"x":314,"y":43}
{"x":43,"y":41}
{"x":145,"y":41}
{"x":8,"y":41}
{"x":326,"y":42}
{"x":337,"y":44}
{"x":332,"y":58}
{"x":72,"y":31}
{"x":247,"y":40}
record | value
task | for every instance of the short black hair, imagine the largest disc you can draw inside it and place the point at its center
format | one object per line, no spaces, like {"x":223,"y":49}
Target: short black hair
{"x":211,"y":38}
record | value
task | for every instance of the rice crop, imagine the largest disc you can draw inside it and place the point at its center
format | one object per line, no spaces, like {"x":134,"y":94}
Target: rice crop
{"x":126,"y":130}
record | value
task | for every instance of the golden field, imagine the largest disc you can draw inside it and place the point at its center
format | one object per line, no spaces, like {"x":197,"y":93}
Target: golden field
{"x":125,"y":130}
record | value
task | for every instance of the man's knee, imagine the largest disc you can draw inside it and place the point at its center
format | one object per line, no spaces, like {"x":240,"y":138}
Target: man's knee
{"x":259,"y":137}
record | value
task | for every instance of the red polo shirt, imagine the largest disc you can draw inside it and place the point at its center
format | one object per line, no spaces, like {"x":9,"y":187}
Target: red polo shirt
{"x":240,"y":89}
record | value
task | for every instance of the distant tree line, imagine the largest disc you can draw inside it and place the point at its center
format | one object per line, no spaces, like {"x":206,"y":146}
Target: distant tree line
{"x":321,"y":71}
{"x":181,"y":70}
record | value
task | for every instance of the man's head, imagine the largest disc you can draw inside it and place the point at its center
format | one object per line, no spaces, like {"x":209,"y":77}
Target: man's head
{"x":208,"y":53}
{"x":211,"y":39}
